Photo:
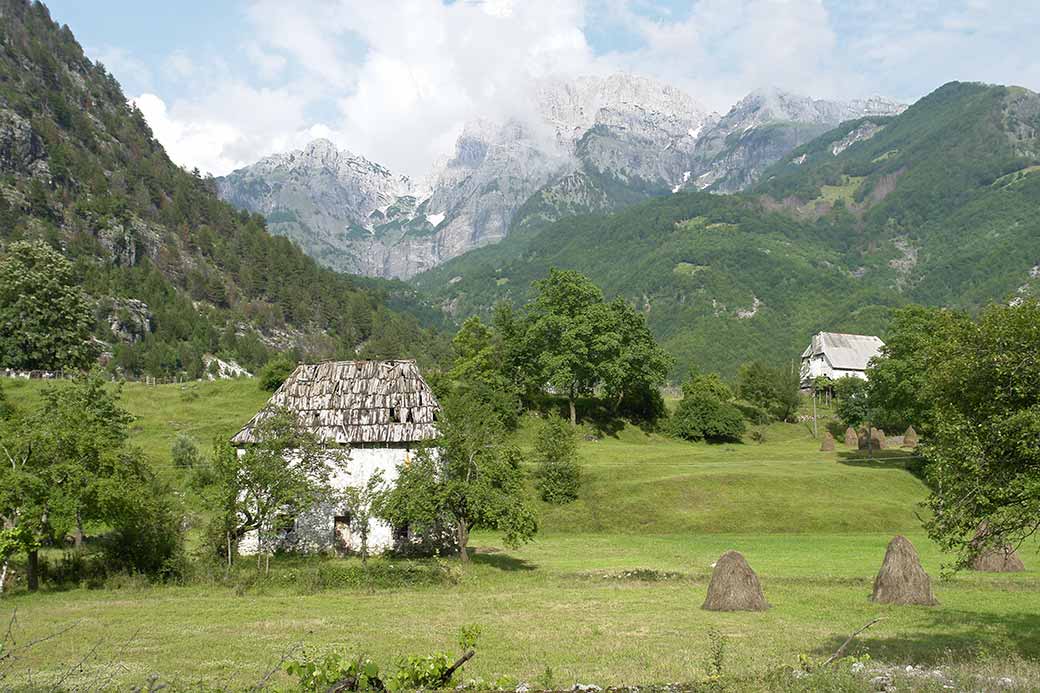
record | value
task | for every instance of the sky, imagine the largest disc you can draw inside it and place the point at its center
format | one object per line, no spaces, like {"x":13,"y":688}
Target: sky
{"x":226,"y":82}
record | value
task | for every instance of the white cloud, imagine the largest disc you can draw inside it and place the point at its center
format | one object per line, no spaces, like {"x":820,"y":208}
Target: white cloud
{"x":395,"y":81}
{"x":726,"y":48}
{"x":131,"y":72}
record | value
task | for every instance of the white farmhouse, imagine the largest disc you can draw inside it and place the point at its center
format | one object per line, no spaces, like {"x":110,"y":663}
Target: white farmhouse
{"x":376,"y":412}
{"x":838,"y":355}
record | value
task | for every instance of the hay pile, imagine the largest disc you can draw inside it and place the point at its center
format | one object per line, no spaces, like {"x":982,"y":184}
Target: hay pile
{"x":993,"y":559}
{"x":851,"y":437}
{"x":827,"y":444}
{"x":910,"y":438}
{"x":872,"y":437}
{"x":901,"y":579}
{"x":734,"y":586}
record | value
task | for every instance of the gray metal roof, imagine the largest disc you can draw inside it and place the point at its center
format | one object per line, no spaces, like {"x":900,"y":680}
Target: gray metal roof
{"x":849,"y":352}
{"x":355,"y":402}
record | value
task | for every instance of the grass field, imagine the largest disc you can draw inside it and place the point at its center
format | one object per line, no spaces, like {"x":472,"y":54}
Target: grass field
{"x":609,"y":592}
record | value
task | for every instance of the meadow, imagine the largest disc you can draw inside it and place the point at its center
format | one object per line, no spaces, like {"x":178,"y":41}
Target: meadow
{"x":608,"y":593}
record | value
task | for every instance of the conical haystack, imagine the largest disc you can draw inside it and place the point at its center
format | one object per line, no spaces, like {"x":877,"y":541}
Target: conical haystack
{"x":851,"y":439}
{"x":874,"y":437}
{"x":901,"y":579}
{"x":993,"y":559}
{"x":734,"y":586}
{"x":827,"y":444}
{"x":910,"y":438}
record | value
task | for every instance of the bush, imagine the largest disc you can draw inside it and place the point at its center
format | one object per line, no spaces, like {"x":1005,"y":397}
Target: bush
{"x":702,"y":418}
{"x":274,"y":373}
{"x":556,"y":452}
{"x":753,"y":413}
{"x":705,"y":412}
{"x":184,"y":452}
{"x":146,"y":535}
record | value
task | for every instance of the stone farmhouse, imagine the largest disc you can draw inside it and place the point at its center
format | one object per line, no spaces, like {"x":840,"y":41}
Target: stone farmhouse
{"x":377,"y":412}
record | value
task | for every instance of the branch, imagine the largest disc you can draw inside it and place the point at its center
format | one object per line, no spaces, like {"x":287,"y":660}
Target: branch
{"x":841,"y":650}
{"x":277,"y":667}
{"x":450,"y":671}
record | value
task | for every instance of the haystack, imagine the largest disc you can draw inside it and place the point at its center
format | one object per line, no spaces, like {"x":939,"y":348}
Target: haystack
{"x":851,"y":439}
{"x":874,"y":437}
{"x":827,"y":444}
{"x":993,"y":559}
{"x":901,"y":579}
{"x":910,"y":438}
{"x":734,"y":586}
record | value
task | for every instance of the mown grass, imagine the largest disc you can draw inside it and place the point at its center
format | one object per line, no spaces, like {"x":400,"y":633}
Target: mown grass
{"x":608,"y":593}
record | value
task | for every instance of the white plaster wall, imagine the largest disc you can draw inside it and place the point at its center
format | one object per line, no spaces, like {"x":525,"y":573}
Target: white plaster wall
{"x":816,"y":366}
{"x":314,"y":529}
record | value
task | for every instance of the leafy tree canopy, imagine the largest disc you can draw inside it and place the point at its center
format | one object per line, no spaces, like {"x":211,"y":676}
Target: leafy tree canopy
{"x":45,"y":321}
{"x":982,"y":395}
{"x":472,"y":481}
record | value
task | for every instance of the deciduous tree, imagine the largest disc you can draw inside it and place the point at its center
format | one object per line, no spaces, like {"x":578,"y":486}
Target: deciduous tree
{"x":471,"y":480}
{"x":982,"y":396}
{"x":285,"y":472}
{"x":706,"y":412}
{"x":44,"y":317}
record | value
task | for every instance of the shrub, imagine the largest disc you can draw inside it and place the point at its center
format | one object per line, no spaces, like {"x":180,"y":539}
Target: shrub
{"x":556,"y":452}
{"x":753,"y":413}
{"x":274,"y":373}
{"x":146,"y":536}
{"x":702,"y":418}
{"x":184,"y":452}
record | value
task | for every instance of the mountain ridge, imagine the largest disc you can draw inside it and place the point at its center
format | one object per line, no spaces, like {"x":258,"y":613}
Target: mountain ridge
{"x":936,"y":205}
{"x":593,"y":144}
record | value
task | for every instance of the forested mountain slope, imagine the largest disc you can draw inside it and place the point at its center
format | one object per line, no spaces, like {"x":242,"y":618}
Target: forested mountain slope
{"x":937,"y":205}
{"x":941,"y":202}
{"x":174,"y":272}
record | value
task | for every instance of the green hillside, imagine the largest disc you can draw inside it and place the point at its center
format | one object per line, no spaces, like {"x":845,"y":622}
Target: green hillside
{"x":720,"y":280}
{"x":936,"y":205}
{"x":946,"y":192}
{"x":633,"y":481}
{"x":80,"y":170}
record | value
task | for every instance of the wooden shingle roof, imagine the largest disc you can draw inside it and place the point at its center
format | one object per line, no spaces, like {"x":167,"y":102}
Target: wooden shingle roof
{"x":356,"y":402}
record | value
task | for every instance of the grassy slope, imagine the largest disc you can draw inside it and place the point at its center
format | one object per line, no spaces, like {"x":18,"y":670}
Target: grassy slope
{"x":813,"y":526}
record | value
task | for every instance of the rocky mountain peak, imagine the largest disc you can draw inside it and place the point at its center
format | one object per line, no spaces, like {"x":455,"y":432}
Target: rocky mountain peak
{"x":591,"y":143}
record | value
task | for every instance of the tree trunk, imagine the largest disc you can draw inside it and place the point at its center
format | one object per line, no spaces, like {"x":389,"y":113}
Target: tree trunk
{"x":32,"y":571}
{"x":77,"y":536}
{"x":574,"y":412}
{"x":3,"y":577}
{"x":462,"y":537}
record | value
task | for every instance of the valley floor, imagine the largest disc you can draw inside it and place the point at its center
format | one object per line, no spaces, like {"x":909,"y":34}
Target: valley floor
{"x":593,"y":608}
{"x":609,"y":592}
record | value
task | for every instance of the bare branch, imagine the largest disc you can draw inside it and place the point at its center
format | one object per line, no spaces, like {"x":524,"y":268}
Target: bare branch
{"x":841,"y":650}
{"x":277,"y":667}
